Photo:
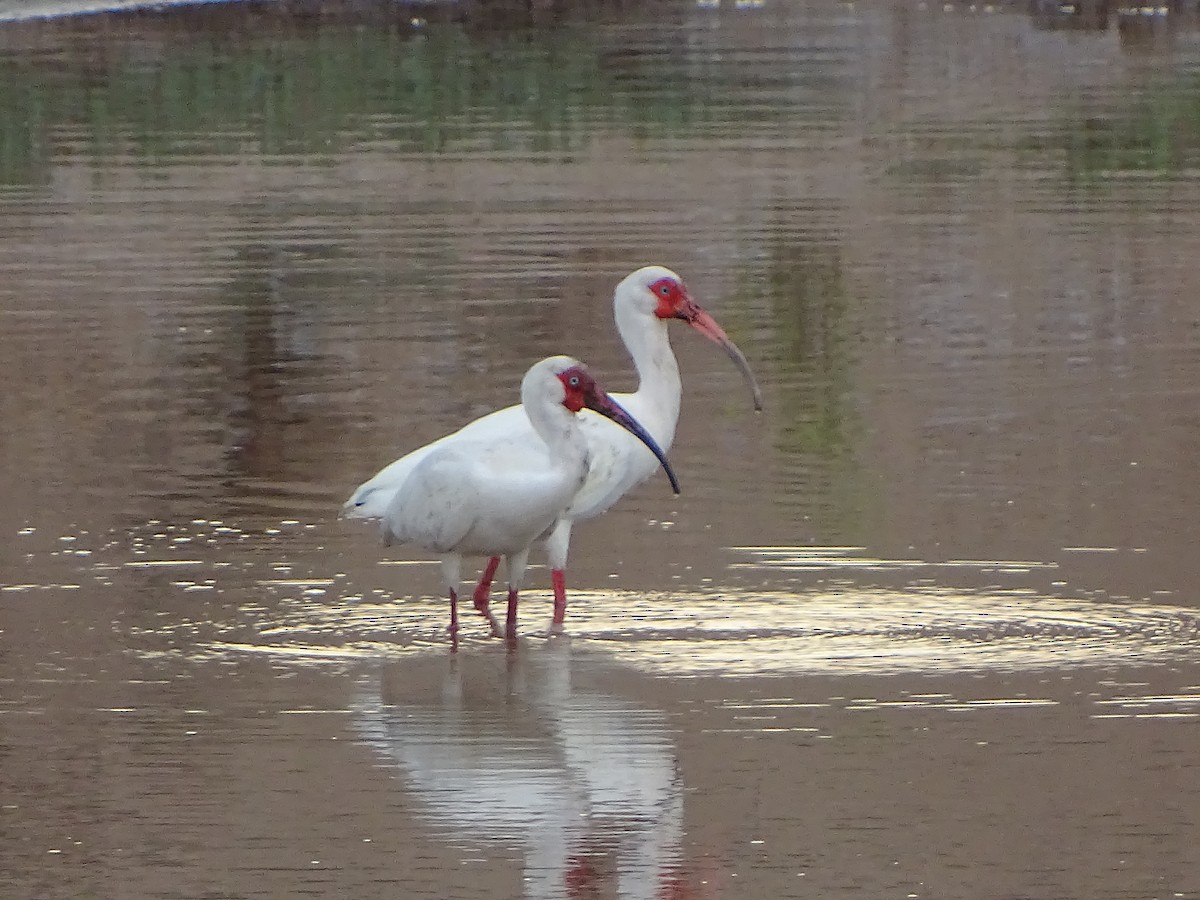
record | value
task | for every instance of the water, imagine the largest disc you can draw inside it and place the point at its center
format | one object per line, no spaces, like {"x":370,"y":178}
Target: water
{"x":925,"y":627}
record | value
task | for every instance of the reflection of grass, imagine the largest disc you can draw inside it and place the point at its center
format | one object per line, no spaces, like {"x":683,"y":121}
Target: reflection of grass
{"x":305,"y":94}
{"x":314,"y":92}
{"x":810,"y":311}
{"x":23,"y":117}
{"x":1153,"y":130}
{"x":1159,"y":133}
{"x":807,"y":291}
{"x":937,"y":169}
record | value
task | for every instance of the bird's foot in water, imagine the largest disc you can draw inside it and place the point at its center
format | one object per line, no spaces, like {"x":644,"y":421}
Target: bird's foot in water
{"x":510,"y":619}
{"x":481,"y":606}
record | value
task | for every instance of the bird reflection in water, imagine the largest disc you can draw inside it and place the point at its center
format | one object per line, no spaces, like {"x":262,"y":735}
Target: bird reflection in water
{"x":585,"y":783}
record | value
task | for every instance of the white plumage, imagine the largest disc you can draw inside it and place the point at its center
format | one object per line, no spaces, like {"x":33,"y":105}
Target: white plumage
{"x":643,"y":303}
{"x":493,"y":494}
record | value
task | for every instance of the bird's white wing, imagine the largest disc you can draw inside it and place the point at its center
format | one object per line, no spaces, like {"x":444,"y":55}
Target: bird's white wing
{"x":486,"y":497}
{"x":372,"y":498}
{"x":432,"y":508}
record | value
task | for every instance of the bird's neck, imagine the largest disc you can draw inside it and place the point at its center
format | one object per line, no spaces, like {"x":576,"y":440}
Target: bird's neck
{"x":659,"y":388}
{"x":558,"y":428}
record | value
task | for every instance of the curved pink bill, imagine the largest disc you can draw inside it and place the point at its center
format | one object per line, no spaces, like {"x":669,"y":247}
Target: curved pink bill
{"x":707,"y":326}
{"x":606,"y":406}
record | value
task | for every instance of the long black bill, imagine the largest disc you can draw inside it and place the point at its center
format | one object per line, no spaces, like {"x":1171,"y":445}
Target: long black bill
{"x":611,"y":409}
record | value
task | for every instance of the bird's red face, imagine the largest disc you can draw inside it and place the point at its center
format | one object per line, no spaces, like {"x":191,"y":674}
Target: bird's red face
{"x":672,"y":296}
{"x":577,"y":385}
{"x":674,"y":302}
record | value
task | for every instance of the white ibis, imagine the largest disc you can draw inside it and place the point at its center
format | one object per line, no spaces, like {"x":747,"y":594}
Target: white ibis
{"x":494,"y":494}
{"x":643,"y":303}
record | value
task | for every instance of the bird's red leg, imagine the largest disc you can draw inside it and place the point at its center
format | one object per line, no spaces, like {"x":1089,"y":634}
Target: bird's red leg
{"x":484,"y":589}
{"x":559,"y":580}
{"x":510,"y":620}
{"x":453,"y":629}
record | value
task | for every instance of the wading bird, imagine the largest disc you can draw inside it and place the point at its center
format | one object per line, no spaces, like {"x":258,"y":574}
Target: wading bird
{"x":493,"y":495}
{"x":643,"y":303}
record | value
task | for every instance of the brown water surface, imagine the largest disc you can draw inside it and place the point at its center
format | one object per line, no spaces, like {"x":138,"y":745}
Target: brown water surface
{"x":929,"y":626}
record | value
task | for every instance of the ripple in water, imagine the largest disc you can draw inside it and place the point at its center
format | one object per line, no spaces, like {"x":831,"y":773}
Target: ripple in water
{"x":842,"y":629}
{"x":843,"y":624}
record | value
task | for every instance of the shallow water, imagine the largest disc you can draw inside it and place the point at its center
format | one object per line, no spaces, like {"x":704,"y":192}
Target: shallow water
{"x":926,"y":627}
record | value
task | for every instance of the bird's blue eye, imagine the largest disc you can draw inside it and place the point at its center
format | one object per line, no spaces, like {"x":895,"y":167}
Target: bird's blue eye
{"x":573,"y":381}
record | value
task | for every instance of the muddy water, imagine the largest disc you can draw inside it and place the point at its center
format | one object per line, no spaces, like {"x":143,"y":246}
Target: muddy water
{"x":927,"y":627}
